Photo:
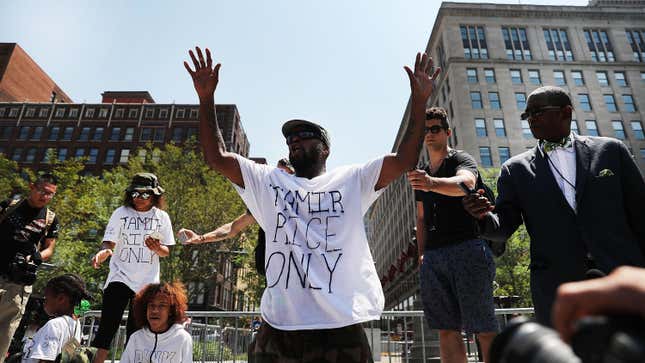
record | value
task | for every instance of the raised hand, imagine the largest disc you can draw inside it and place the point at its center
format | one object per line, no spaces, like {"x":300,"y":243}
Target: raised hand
{"x":421,"y":83}
{"x":205,"y":76}
{"x":420,"y":180}
{"x":190,"y":237}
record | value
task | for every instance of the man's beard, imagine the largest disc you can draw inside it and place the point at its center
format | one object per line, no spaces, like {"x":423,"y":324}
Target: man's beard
{"x":307,"y":158}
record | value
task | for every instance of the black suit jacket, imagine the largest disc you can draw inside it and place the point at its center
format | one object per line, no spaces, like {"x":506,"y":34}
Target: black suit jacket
{"x":608,"y":224}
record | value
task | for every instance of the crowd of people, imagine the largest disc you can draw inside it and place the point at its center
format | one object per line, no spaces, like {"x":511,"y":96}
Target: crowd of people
{"x":580,"y":198}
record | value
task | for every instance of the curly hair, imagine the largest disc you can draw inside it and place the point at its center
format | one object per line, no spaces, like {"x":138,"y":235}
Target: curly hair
{"x":71,"y":285}
{"x":176,"y":294}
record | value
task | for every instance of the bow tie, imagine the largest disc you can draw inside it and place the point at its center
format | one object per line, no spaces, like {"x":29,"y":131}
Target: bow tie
{"x":549,"y":146}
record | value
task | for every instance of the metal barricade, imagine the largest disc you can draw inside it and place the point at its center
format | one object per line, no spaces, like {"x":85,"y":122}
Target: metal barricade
{"x":224,"y":336}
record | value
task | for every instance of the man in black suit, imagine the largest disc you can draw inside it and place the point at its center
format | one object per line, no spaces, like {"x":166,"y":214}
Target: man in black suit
{"x":581,"y":198}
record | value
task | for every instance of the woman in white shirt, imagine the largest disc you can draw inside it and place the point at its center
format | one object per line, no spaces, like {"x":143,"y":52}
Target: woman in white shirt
{"x":138,"y":233}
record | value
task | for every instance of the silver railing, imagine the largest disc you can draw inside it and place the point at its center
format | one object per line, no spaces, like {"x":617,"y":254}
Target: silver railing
{"x":224,"y":336}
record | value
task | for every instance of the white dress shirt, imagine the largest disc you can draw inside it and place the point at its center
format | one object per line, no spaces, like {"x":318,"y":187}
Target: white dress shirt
{"x":564,"y":160}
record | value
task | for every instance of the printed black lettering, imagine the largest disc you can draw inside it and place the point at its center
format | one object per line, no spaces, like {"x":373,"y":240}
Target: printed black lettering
{"x":331,"y":270}
{"x":268,"y":267}
{"x":334,"y":201}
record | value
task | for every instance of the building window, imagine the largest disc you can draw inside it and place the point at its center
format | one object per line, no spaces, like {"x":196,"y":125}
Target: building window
{"x":89,"y":113}
{"x":476,"y":100}
{"x":116,"y":134}
{"x":109,"y":156}
{"x":30,"y":112}
{"x":620,"y":79}
{"x":156,"y":155}
{"x":599,"y":45}
{"x":5,"y":132}
{"x":193,"y":114}
{"x":191,"y":132}
{"x":629,"y":103}
{"x":557,"y":42}
{"x":602,"y":78}
{"x":142,"y":155}
{"x":619,"y":131}
{"x":642,"y":80}
{"x":484,"y":155}
{"x":526,"y":130}
{"x":73,"y":112}
{"x":180,"y":113}
{"x":47,"y":155}
{"x":94,"y":153}
{"x":62,"y":154}
{"x":520,"y":100}
{"x":636,"y":39}
{"x":534,"y":76}
{"x":585,"y":104}
{"x":516,"y":76}
{"x":60,"y":112}
{"x":103,"y":113}
{"x":159,"y":134}
{"x":24,"y":133}
{"x":163,"y":113}
{"x":85,"y":134}
{"x":150,"y":113}
{"x":637,"y":129}
{"x":177,"y":134}
{"x":53,"y":133}
{"x":13,"y":112}
{"x":574,"y":127}
{"x":441,"y":55}
{"x":31,"y":155}
{"x":125,"y":155}
{"x":129,"y":134}
{"x":643,"y":154}
{"x":471,"y":75}
{"x":80,"y":152}
{"x":493,"y":99}
{"x":37,"y":134}
{"x":43,"y":112}
{"x":578,"y":79}
{"x":504,"y":154}
{"x":119,"y":114}
{"x":67,"y":134}
{"x":516,"y":43}
{"x":558,"y":77}
{"x":17,"y":154}
{"x":500,"y":130}
{"x":592,"y":127}
{"x":2,"y":111}
{"x":489,"y":74}
{"x":146,"y":134}
{"x":480,"y":127}
{"x":132,"y":113}
{"x":98,"y":134}
{"x":610,"y":102}
{"x":473,"y":40}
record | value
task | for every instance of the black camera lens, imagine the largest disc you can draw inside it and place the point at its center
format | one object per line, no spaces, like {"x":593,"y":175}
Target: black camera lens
{"x":527,"y":341}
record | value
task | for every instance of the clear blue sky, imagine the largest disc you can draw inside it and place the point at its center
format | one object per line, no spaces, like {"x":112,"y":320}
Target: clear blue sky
{"x":339,"y":62}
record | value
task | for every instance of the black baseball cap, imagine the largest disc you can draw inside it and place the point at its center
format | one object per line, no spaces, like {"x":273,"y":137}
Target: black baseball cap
{"x":290,"y":125}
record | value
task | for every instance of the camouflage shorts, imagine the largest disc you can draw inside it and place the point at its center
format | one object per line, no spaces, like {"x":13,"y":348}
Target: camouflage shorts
{"x":343,"y":345}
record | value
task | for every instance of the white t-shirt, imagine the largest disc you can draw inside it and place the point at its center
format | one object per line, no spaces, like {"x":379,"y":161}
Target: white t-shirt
{"x":319,"y":268}
{"x":132,"y":263}
{"x":173,"y":346}
{"x":49,"y":340}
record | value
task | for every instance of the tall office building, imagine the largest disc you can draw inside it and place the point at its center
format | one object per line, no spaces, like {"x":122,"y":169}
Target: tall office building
{"x":492,"y":57}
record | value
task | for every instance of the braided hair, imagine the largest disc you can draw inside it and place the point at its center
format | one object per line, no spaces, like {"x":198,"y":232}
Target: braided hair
{"x":71,"y":285}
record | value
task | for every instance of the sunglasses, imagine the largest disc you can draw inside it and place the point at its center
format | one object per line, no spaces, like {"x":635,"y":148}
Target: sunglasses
{"x":435,"y":129}
{"x":302,"y":135}
{"x":142,"y":195}
{"x":538,"y":112}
